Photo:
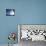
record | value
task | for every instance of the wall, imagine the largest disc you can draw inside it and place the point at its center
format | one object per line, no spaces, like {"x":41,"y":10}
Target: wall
{"x":27,"y":12}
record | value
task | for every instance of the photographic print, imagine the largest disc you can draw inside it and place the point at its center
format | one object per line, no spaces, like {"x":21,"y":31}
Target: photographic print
{"x":10,"y":12}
